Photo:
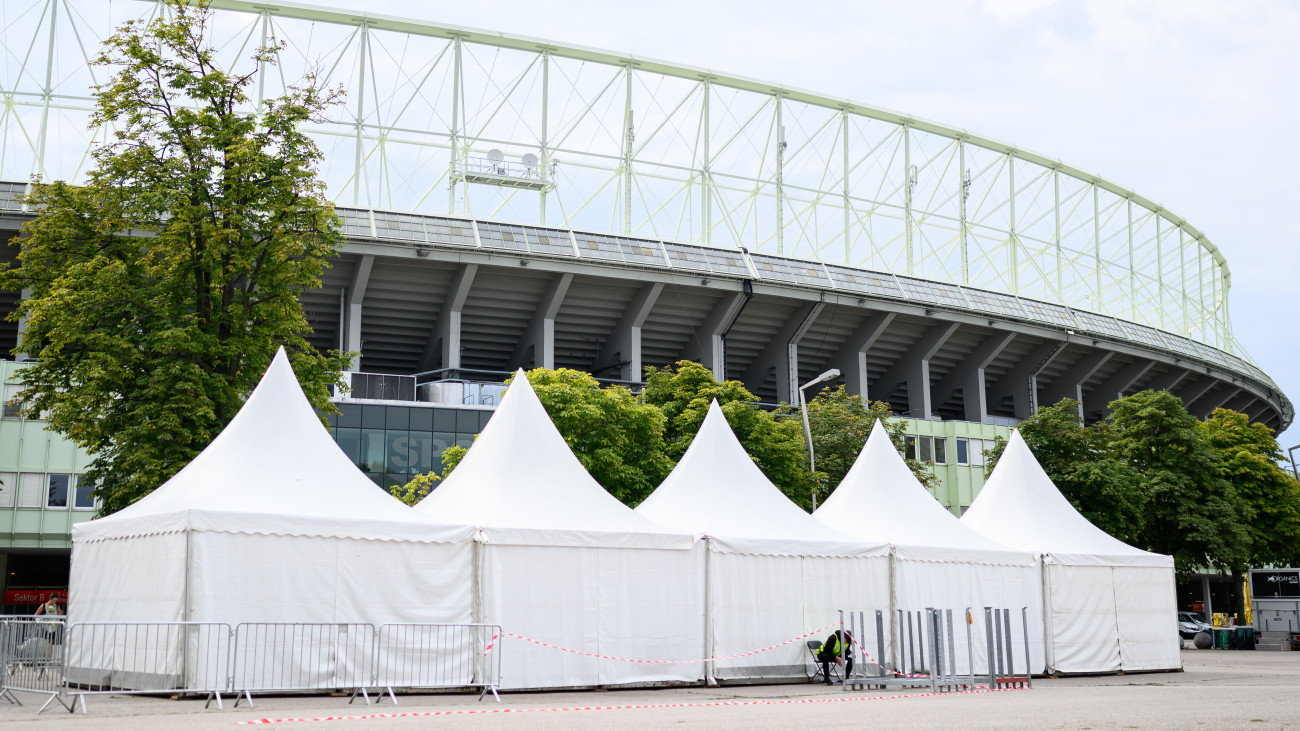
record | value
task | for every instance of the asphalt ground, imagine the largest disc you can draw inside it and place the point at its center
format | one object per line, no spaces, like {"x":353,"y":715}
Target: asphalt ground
{"x":1218,"y":689}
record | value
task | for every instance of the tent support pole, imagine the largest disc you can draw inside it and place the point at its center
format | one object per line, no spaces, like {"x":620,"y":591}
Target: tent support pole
{"x":709,"y":679}
{"x":894,"y":628}
{"x":185,"y":609}
{"x":1049,"y":650}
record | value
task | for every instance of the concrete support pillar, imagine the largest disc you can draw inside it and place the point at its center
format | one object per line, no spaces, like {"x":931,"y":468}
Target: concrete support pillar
{"x":1206,"y":598}
{"x":782,"y":355}
{"x":1020,"y":382}
{"x":913,"y":368}
{"x":1099,"y":398}
{"x":623,"y":347}
{"x":1070,"y":383}
{"x":536,"y":347}
{"x":851,"y":358}
{"x":968,"y":377}
{"x":355,"y":298}
{"x":706,"y":346}
{"x":443,"y":348}
{"x":1206,"y":405}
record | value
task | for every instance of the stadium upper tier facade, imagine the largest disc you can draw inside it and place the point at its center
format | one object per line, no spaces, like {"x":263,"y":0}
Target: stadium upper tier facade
{"x":511,"y":201}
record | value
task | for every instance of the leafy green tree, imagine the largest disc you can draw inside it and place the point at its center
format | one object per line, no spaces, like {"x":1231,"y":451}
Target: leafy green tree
{"x":161,"y":288}
{"x":1249,"y":456}
{"x":1191,"y":512}
{"x":618,"y":439}
{"x":840,"y":423}
{"x":1081,"y":461}
{"x":774,"y":440}
{"x":417,"y":489}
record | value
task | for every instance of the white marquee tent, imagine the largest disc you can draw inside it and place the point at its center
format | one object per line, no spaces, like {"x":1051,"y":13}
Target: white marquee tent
{"x":774,"y":572}
{"x":270,"y":523}
{"x":562,"y":561}
{"x":938,"y":562}
{"x":1111,"y":607}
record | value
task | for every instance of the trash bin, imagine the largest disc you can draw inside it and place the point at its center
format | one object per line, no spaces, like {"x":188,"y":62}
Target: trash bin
{"x":1247,"y":641}
{"x":1220,"y":638}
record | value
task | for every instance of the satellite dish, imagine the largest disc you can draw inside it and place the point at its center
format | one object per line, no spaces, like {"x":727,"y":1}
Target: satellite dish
{"x":495,"y":155}
{"x":529,"y":160}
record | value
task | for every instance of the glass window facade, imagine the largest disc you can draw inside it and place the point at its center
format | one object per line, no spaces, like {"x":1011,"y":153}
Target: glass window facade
{"x":392,"y":444}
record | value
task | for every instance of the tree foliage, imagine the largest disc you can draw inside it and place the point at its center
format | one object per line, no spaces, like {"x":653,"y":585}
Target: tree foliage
{"x":1249,"y":457}
{"x":1103,"y":488}
{"x":773,"y":439}
{"x":840,"y":423}
{"x":161,"y":288}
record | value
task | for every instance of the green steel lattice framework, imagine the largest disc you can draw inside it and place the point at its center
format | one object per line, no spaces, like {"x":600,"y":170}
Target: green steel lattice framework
{"x":641,"y":147}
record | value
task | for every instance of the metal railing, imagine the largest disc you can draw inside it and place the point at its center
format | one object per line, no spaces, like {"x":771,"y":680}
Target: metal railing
{"x":68,"y":663}
{"x":438,"y":656}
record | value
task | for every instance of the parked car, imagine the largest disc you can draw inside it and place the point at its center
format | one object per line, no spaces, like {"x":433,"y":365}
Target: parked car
{"x":1189,"y":623}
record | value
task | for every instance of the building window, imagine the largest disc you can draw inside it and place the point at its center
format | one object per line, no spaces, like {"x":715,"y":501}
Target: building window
{"x":12,"y":408}
{"x":909,"y":447}
{"x":56,"y":490}
{"x":963,"y":451}
{"x":83,"y":499}
{"x":926,"y":448}
{"x":940,"y":450}
{"x":977,"y":452}
{"x":31,"y":490}
{"x":8,"y":488}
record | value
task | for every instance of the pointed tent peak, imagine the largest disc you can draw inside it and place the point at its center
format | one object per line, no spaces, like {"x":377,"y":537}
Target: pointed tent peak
{"x":274,"y":462}
{"x":520,"y":481}
{"x":718,"y":490}
{"x":1020,"y":506}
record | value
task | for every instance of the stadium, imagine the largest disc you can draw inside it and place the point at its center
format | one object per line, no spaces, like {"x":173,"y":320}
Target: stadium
{"x":516,"y":202}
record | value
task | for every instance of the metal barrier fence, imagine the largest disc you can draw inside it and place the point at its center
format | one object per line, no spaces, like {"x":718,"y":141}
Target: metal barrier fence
{"x":438,"y":656}
{"x":272,"y":657}
{"x":32,"y":650}
{"x":70,"y":662}
{"x":147,"y":657}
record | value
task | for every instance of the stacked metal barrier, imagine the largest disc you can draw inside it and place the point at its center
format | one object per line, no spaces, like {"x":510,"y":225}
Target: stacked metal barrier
{"x":71,"y":662}
{"x":925,"y":651}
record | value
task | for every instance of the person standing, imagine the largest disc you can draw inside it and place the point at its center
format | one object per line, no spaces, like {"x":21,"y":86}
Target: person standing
{"x":50,"y":608}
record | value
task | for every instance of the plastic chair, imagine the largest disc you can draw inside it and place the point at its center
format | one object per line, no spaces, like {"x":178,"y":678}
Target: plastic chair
{"x":815,"y":646}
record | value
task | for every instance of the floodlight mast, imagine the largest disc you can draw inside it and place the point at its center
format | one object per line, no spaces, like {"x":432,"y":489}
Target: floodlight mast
{"x":803,"y":408}
{"x":1291,"y":453}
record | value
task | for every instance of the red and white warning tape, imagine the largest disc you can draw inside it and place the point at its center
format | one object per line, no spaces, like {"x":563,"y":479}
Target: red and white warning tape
{"x":670,"y":662}
{"x":873,"y":661}
{"x":644,"y":706}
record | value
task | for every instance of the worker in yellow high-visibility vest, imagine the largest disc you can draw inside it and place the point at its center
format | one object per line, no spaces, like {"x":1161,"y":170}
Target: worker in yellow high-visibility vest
{"x":835,"y":649}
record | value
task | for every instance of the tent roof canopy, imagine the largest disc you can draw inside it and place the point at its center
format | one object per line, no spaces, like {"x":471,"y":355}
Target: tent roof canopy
{"x":1022,"y":507}
{"x":716,"y":489}
{"x":521,"y":484}
{"x":274,"y":469}
{"x":881,"y":499}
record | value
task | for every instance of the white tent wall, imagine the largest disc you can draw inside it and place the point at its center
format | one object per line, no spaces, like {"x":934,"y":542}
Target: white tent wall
{"x":959,"y":585}
{"x":1110,"y":607}
{"x":638,"y":603}
{"x":760,"y":600}
{"x":153,"y":591}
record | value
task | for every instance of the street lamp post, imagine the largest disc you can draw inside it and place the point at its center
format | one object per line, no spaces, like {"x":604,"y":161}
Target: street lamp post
{"x":1290,"y":452}
{"x":803,"y":408}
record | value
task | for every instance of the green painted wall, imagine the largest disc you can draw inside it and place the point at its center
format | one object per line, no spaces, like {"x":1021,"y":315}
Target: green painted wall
{"x":26,"y":448}
{"x":960,"y":482}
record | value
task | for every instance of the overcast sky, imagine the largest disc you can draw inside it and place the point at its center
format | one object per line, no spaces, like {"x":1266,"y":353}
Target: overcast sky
{"x":1192,"y":103}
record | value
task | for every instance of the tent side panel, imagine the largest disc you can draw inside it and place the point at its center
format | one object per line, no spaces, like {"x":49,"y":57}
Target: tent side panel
{"x":384,"y":582}
{"x":627,"y":602}
{"x":137,"y":579}
{"x":652,"y":607}
{"x":1146,"y":604}
{"x":957,"y":586}
{"x":1084,"y":621}
{"x":238,"y":577}
{"x":857,"y":584}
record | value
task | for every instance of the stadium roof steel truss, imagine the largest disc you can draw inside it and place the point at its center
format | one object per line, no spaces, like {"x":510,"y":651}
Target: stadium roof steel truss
{"x":451,"y":121}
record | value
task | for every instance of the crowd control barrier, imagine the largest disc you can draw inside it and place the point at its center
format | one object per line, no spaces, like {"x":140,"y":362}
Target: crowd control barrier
{"x":68,"y":663}
{"x":32,"y":653}
{"x":431,"y":656}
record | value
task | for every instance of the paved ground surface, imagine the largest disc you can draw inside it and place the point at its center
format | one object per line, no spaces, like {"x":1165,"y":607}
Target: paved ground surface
{"x":1218,"y":690}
